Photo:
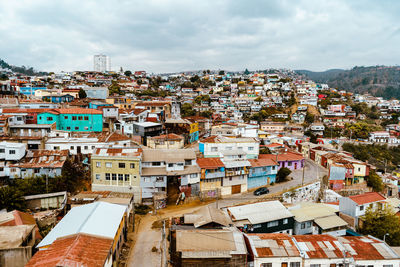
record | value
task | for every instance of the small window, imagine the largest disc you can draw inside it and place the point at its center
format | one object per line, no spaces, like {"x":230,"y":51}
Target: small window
{"x":80,"y":118}
{"x":132,"y":165}
{"x":76,"y":127}
{"x":361,"y":207}
{"x":156,"y":163}
{"x":251,"y":148}
{"x":68,"y":128}
{"x":126,"y":177}
{"x":108,"y":165}
{"x":272,"y":224}
{"x":295,"y":264}
{"x":120,"y":177}
{"x":107,"y":176}
{"x":285,"y":221}
{"x":114,"y":176}
{"x":214,"y":149}
{"x":97,"y":176}
{"x":98,"y":164}
{"x":266,"y":265}
{"x":37,"y":171}
{"x":65,"y":117}
{"x":170,"y":165}
{"x":93,"y":147}
{"x":12,"y":152}
{"x":86,"y":128}
{"x":56,"y":148}
{"x":49,"y":118}
{"x":289,"y":163}
{"x":2,"y":150}
{"x":74,"y":118}
{"x":72,"y":147}
{"x":121,"y":165}
{"x":303,"y":225}
{"x":85,"y":147}
{"x":309,"y":224}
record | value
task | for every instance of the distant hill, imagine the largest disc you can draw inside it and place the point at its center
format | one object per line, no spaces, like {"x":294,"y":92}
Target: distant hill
{"x":22,"y":70}
{"x":377,"y":80}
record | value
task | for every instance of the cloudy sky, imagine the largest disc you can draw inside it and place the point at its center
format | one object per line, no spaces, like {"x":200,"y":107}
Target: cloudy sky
{"x":177,"y":35}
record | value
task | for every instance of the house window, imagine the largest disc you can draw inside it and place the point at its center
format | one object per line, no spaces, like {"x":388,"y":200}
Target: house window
{"x":188,"y":162}
{"x":121,"y":165}
{"x":97,"y":176}
{"x":120,"y":177}
{"x":107,"y":176}
{"x":65,"y":117}
{"x":159,"y":179}
{"x":80,"y":118}
{"x":108,"y":164}
{"x":272,"y":224}
{"x":214,"y":149}
{"x":193,"y":175}
{"x":132,"y":165}
{"x":126,"y":177}
{"x":68,"y":128}
{"x":98,"y":164}
{"x":171,"y":142}
{"x":86,"y":118}
{"x":93,"y":147}
{"x":49,"y":118}
{"x":303,"y":225}
{"x":56,"y":148}
{"x":308,"y":224}
{"x":285,"y":221}
{"x":86,"y":128}
{"x":156,"y":163}
{"x":289,"y":163}
{"x":74,"y":118}
{"x":170,"y":165}
{"x":36,"y":170}
{"x":2,"y":150}
{"x":361,"y":207}
{"x":85,"y":147}
{"x":12,"y":152}
{"x":114,"y":176}
{"x":77,"y":128}
{"x":251,"y":148}
{"x":72,"y":147}
{"x":295,"y":264}
{"x":266,"y":265}
{"x":315,"y":265}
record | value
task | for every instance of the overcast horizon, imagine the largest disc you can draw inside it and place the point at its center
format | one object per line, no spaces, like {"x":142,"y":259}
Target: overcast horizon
{"x":164,"y":36}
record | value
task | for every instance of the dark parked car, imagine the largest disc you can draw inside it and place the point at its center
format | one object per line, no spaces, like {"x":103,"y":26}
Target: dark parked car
{"x":261,"y":191}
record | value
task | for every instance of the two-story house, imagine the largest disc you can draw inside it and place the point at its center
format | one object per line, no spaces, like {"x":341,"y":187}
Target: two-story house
{"x":213,"y":146}
{"x":117,"y":170}
{"x":262,"y":217}
{"x":262,"y":172}
{"x":212,"y":171}
{"x":356,"y":206}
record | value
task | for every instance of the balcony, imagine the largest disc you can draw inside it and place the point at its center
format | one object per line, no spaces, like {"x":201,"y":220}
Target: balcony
{"x":212,"y":175}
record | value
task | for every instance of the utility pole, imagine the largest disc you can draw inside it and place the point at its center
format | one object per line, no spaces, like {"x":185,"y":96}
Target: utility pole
{"x":304,"y":168}
{"x":164,"y":248}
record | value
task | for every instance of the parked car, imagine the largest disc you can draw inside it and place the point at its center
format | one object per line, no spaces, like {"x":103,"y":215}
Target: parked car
{"x":261,"y":191}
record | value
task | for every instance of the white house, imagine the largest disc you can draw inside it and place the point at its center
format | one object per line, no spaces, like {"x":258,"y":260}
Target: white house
{"x":12,"y":151}
{"x":213,"y":146}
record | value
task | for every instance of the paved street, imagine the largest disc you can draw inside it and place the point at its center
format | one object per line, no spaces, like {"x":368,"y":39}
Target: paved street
{"x":312,"y":173}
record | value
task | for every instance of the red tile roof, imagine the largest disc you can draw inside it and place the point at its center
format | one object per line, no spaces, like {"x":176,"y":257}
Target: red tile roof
{"x":287,"y":156}
{"x":367,"y":198}
{"x":25,"y":110}
{"x":74,"y":111}
{"x":210,"y":163}
{"x":77,"y":250}
{"x":262,"y":162}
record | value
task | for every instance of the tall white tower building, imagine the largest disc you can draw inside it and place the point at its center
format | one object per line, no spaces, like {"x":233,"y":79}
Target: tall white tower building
{"x":101,"y":63}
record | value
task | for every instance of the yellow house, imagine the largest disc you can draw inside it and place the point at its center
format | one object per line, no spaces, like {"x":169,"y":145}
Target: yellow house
{"x":117,"y":170}
{"x":170,"y":141}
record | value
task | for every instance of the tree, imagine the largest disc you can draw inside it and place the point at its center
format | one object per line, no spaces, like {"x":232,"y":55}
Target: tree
{"x":128,"y":73}
{"x":282,"y":174}
{"x":187,"y":110}
{"x":82,"y":93}
{"x":375,"y":181}
{"x":72,"y":176}
{"x":258,"y":99}
{"x":206,"y":114}
{"x":221,"y":72}
{"x":265,"y":150}
{"x":309,"y":118}
{"x":380,"y":222}
{"x":246,"y":72}
{"x":11,"y":199}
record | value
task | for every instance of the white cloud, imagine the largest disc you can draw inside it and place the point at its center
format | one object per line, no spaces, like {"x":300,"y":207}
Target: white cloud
{"x":173,"y":35}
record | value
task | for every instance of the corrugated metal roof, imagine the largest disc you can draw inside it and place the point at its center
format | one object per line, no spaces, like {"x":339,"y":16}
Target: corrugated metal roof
{"x":308,"y":211}
{"x":237,"y":163}
{"x":260,"y":212}
{"x":204,"y":240}
{"x":330,"y":222}
{"x":98,"y":218}
{"x":151,"y":155}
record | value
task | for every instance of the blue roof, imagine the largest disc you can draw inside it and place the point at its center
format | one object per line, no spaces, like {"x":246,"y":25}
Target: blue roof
{"x":98,"y":218}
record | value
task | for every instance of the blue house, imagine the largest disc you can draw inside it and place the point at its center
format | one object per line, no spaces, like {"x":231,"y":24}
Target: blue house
{"x":73,"y":119}
{"x":262,"y":172}
{"x":97,"y":104}
{"x":58,"y":98}
{"x":30,"y":91}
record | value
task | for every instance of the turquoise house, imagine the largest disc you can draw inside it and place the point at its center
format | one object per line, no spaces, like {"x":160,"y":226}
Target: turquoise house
{"x":262,"y":172}
{"x":73,"y":119}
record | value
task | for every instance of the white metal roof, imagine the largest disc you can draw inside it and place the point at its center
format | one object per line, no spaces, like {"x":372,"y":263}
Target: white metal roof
{"x":260,"y":212}
{"x":98,"y":218}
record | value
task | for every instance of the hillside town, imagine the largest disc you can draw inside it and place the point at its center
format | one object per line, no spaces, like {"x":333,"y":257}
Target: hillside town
{"x":201,"y":168}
